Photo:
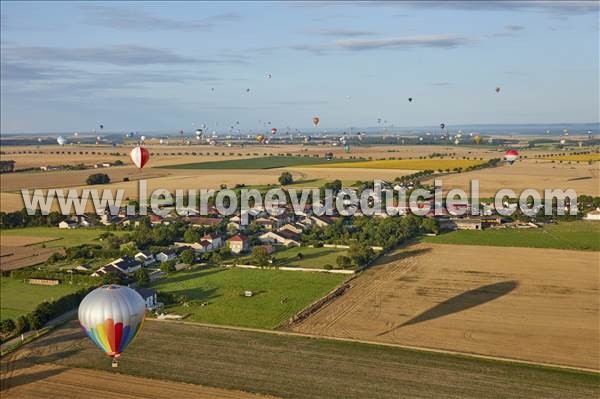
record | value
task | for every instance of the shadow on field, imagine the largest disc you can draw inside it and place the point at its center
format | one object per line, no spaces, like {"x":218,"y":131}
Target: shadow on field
{"x":179,"y":277}
{"x":464,"y":301}
{"x":399,"y":255}
{"x":196,"y":293}
{"x":22,"y":379}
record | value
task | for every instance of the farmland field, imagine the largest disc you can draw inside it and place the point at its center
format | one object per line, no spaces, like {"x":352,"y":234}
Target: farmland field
{"x":277,"y":294}
{"x":279,"y":365}
{"x":55,"y":237}
{"x":580,"y":235}
{"x":410,"y":164}
{"x":524,"y":303}
{"x":18,"y":297}
{"x":594,"y":157}
{"x":257,"y":163}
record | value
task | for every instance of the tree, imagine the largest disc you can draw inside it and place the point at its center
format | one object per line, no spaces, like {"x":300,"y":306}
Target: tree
{"x":299,"y":256}
{"x":260,"y":256}
{"x":216,"y":259}
{"x":360,"y":254}
{"x":22,"y":325}
{"x":97,"y":178}
{"x":343,"y":261}
{"x":188,"y":256}
{"x":286,"y":178}
{"x":141,"y":277}
{"x":7,"y":326}
{"x":430,"y":225}
{"x":168,"y":266}
{"x":191,"y":235}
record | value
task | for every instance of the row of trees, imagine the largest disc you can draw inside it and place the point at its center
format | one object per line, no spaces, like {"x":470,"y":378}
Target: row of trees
{"x":9,"y":220}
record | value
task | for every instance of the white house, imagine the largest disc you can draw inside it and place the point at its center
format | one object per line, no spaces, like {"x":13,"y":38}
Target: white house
{"x":593,"y":215}
{"x":166,"y":256}
{"x":145,"y":257}
{"x":214,"y":239}
{"x":238,"y":243}
{"x":283,"y":237}
{"x":67,"y":224}
{"x":149,"y":297}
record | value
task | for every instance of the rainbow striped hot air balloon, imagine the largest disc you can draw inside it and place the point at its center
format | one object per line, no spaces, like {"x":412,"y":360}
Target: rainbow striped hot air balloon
{"x":111,"y":316}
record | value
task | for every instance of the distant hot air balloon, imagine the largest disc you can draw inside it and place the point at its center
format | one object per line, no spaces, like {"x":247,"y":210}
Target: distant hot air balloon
{"x":260,"y":138}
{"x":247,"y":90}
{"x":112,"y":316}
{"x":273,"y":130}
{"x":477,"y":139}
{"x":101,"y":127}
{"x":268,"y":76}
{"x":307,"y":139}
{"x":61,"y":140}
{"x":161,"y":141}
{"x":442,"y":126}
{"x":140,"y":156}
{"x":76,"y":134}
{"x":511,"y":156}
{"x":409,"y":99}
{"x":378,"y":120}
{"x":142,"y":138}
{"x":346,"y":148}
{"x":497,"y":89}
{"x":315,"y":121}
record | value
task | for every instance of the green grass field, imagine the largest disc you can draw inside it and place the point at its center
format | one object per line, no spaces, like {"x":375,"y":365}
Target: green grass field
{"x":18,"y":298}
{"x":311,"y":368}
{"x":278,"y":294}
{"x":57,"y":237}
{"x":580,"y":235}
{"x":257,"y":163}
{"x":313,"y":258}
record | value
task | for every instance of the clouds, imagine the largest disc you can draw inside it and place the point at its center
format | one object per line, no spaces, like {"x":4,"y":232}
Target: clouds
{"x":341,"y":32}
{"x":137,"y":19}
{"x":515,"y":28}
{"x":398,"y":43}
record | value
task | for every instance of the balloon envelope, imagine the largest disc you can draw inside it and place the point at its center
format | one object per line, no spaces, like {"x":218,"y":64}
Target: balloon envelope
{"x":315,"y":121}
{"x":511,"y":156}
{"x":140,"y":156}
{"x":61,"y":140}
{"x":111,"y":316}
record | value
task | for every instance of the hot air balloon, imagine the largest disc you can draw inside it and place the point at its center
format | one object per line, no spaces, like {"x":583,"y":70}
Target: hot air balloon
{"x":61,"y":140}
{"x":112,"y":316}
{"x":140,"y":156}
{"x":142,"y":138}
{"x":378,"y":120}
{"x":307,"y":139}
{"x":247,"y":90}
{"x":497,"y":89}
{"x":268,"y":76}
{"x":442,"y":126}
{"x":511,"y":156}
{"x":273,"y":130}
{"x":101,"y":127}
{"x":346,"y":148}
{"x":315,"y":121}
{"x":161,"y":141}
{"x":199,"y":133}
{"x":260,"y":138}
{"x":75,"y":134}
{"x":477,"y":139}
{"x":409,"y":99}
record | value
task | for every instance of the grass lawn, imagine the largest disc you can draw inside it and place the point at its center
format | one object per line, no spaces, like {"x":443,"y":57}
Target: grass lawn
{"x":18,"y":298}
{"x":278,"y":294}
{"x":258,"y":163}
{"x":313,"y":258}
{"x":579,"y":235}
{"x":57,"y":237}
{"x":312,"y":368}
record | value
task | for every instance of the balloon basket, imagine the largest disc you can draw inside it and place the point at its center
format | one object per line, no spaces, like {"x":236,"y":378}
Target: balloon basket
{"x":115,"y":363}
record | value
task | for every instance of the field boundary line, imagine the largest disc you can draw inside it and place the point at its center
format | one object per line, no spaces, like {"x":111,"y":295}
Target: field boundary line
{"x":400,"y":346}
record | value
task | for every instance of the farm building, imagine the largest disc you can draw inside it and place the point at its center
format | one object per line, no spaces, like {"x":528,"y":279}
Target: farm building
{"x":149,"y":297}
{"x":593,"y":215}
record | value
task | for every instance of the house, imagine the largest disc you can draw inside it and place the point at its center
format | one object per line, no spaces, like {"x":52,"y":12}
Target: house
{"x":282,"y":237}
{"x":468,"y":224}
{"x":166,"y":256}
{"x":214,"y":239}
{"x":83,"y":267}
{"x":108,"y":269}
{"x":145,"y":257}
{"x":149,"y":297}
{"x":593,"y":215}
{"x":295,"y":227}
{"x":126,"y":264}
{"x":67,"y":224}
{"x":321,"y":221}
{"x":238,"y":243}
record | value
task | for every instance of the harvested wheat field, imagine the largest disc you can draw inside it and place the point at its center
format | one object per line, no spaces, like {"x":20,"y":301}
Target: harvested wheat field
{"x":539,"y":175}
{"x":16,"y":257}
{"x":531,"y":304}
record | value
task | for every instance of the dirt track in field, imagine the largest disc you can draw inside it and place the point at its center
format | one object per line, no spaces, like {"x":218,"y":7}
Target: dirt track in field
{"x":530,"y":304}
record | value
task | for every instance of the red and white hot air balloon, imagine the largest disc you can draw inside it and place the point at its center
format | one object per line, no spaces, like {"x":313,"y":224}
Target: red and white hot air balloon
{"x":140,"y":156}
{"x":273,"y":130}
{"x":511,"y":156}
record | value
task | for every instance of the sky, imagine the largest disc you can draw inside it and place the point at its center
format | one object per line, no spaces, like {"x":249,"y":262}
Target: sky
{"x":161,"y":67}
